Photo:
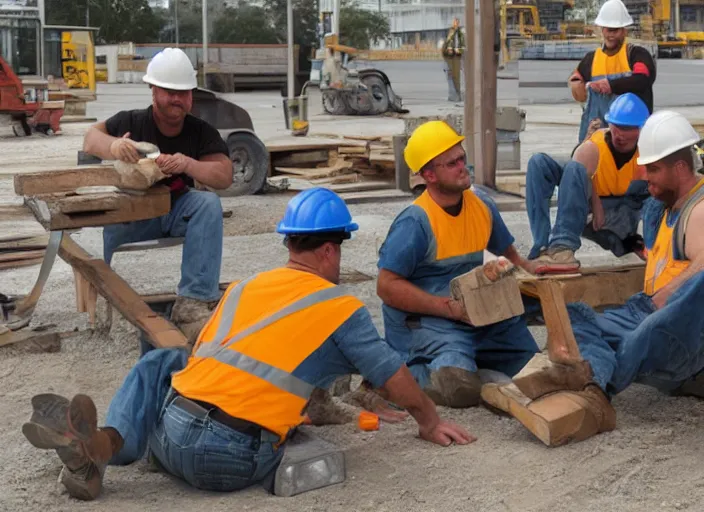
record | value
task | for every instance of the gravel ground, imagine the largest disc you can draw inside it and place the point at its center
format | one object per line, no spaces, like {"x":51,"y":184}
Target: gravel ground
{"x":652,"y":461}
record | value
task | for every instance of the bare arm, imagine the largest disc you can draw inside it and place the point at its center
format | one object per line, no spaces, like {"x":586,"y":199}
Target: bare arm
{"x":99,"y":143}
{"x":214,"y":171}
{"x":694,"y":250}
{"x":399,"y":293}
{"x":403,"y":390}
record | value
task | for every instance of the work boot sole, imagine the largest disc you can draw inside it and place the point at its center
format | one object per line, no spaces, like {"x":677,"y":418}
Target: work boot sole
{"x":84,"y":484}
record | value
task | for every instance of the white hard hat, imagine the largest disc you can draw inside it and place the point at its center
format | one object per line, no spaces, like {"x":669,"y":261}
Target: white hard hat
{"x":664,"y":133}
{"x":171,"y":69}
{"x":613,"y":14}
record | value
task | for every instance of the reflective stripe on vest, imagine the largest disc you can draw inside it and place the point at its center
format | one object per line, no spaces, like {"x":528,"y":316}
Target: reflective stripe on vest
{"x":224,"y":354}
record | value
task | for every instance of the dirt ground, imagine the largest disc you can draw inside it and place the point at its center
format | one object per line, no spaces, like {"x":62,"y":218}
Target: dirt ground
{"x":651,"y":462}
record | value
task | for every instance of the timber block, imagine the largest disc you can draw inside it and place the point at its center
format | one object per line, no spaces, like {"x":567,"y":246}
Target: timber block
{"x":555,"y":419}
{"x":309,"y":463}
{"x":57,"y":212}
{"x":487,"y":302}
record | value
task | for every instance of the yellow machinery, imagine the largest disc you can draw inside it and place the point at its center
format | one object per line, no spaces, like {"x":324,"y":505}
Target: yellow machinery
{"x":78,"y":59}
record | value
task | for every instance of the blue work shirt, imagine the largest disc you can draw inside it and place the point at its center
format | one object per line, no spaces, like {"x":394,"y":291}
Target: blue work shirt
{"x":354,"y":347}
{"x":429,"y":247}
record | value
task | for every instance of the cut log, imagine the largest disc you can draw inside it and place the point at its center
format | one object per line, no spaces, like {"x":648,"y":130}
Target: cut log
{"x":160,"y":332}
{"x":554,"y":419}
{"x":86,"y":211}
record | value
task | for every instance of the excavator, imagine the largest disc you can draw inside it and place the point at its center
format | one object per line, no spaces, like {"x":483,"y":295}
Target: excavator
{"x":348,"y":91}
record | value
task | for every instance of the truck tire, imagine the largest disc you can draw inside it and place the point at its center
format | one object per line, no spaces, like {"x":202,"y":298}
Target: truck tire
{"x":250,"y":165}
{"x":379,"y":96}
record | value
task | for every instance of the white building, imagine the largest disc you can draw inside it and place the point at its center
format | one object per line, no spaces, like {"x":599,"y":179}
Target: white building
{"x":421,"y":21}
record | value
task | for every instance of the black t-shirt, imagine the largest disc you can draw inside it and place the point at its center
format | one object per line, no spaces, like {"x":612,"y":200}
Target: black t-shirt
{"x":639,"y":84}
{"x":196,"y":140}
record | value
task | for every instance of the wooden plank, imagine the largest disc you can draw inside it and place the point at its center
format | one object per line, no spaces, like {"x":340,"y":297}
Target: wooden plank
{"x":127,"y":208}
{"x":21,"y":255}
{"x":352,"y":151}
{"x":363,"y":137}
{"x":301,"y":158}
{"x":363,"y":186}
{"x":562,"y":346}
{"x":20,"y":263}
{"x":376,"y":196}
{"x":161,"y":332}
{"x":307,"y":145}
{"x":341,"y":167}
{"x":34,"y":341}
{"x":35,"y":183}
{"x":23,"y":243}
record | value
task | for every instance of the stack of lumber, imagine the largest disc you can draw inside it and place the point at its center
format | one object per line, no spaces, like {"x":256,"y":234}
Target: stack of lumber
{"x":512,"y":182}
{"x":342,"y":164}
{"x":21,"y":250}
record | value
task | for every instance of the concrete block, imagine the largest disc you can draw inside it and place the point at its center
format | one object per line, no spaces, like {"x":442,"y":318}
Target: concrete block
{"x":309,"y":463}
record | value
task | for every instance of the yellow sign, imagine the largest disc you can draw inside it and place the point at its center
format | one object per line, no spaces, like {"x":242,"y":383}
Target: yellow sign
{"x":78,"y":59}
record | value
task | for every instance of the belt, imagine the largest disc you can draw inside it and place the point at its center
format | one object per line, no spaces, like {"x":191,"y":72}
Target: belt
{"x":204,"y":410}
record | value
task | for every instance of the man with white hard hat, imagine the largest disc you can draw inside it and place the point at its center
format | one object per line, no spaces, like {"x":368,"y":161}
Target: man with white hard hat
{"x":616,"y":68}
{"x":657,"y":337}
{"x":190,"y":150}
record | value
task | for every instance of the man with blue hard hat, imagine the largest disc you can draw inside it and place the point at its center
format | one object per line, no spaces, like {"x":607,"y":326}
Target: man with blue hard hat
{"x":602,"y":177}
{"x":272,"y":340}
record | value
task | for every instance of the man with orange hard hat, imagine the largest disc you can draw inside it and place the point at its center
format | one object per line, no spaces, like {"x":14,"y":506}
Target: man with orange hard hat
{"x":219,"y":418}
{"x":442,"y":235}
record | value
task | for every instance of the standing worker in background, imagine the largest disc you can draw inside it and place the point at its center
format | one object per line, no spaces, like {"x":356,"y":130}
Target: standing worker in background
{"x":191,"y":150}
{"x":219,"y":418}
{"x":616,"y":68}
{"x":443,"y":235}
{"x":453,"y":52}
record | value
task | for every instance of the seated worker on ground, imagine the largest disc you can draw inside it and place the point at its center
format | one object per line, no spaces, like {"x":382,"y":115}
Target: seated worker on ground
{"x":442,"y":235}
{"x":191,"y":149}
{"x":602,"y":178}
{"x":244,"y":389}
{"x":616,"y":68}
{"x":657,"y":337}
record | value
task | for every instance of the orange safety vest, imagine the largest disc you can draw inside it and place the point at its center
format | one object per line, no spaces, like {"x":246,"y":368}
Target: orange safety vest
{"x":262,"y":330}
{"x":466,"y":233}
{"x":608,"y":180}
{"x":611,"y":66}
{"x":661,"y":266}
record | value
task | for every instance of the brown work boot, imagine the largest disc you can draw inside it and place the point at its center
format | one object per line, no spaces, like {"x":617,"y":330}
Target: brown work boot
{"x":454,"y":387}
{"x":557,"y":260}
{"x":322,"y":410}
{"x":70,"y":428}
{"x":190,"y":316}
{"x":368,"y":399}
{"x":558,"y":418}
{"x":553,"y":377}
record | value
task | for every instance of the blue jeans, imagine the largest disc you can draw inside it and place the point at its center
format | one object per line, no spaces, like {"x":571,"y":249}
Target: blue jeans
{"x":596,"y":108}
{"x":573,"y":206}
{"x":504,"y":346}
{"x":637,"y":343}
{"x":197,"y":216}
{"x":201,"y":451}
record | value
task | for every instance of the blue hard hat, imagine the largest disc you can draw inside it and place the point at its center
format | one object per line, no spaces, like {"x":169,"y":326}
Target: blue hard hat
{"x":316,"y":210}
{"x":627,"y":110}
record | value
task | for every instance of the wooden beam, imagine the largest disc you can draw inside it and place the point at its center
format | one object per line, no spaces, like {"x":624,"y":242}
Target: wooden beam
{"x":70,"y":212}
{"x":470,"y":71}
{"x":161,"y":332}
{"x":65,"y":180}
{"x":487,"y":95}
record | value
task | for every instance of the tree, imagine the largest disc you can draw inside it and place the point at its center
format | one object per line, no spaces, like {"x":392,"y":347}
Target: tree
{"x":360,"y":27}
{"x":119,"y":20}
{"x":305,"y":21}
{"x":245,"y":24}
